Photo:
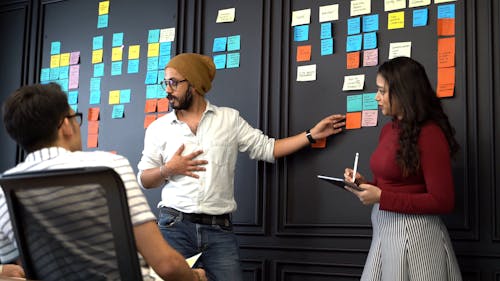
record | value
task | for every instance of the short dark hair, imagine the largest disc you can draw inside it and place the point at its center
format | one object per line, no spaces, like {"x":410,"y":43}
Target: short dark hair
{"x":32,"y":115}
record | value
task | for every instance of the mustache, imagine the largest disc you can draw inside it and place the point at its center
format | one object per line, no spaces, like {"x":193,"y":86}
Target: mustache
{"x":170,"y":97}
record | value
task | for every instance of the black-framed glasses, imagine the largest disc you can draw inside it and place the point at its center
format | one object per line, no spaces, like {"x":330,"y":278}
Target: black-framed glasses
{"x":78,"y":117}
{"x":171,"y":82}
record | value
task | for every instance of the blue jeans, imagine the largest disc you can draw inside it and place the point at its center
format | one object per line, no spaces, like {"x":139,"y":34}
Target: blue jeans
{"x":220,"y":258}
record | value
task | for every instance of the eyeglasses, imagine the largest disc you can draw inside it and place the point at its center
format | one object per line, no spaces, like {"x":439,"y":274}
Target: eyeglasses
{"x":78,"y":116}
{"x":171,"y":82}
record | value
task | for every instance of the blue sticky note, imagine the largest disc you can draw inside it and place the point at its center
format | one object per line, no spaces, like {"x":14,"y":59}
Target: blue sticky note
{"x":97,"y":43}
{"x":369,"y":101}
{"x":55,"y":48}
{"x":63,"y":72}
{"x":95,"y":84}
{"x":95,"y":97}
{"x":301,"y":33}
{"x":118,"y":110}
{"x":219,"y":44}
{"x":74,"y":107}
{"x":220,"y":61}
{"x":446,"y":11}
{"x":153,"y":36}
{"x":54,"y":73}
{"x":233,"y":43}
{"x":162,"y":61}
{"x":369,"y":40}
{"x":116,"y":68}
{"x":64,"y":83}
{"x":326,"y":30}
{"x":152,"y":63}
{"x":354,"y":103}
{"x":160,"y":93}
{"x":133,"y":66}
{"x":117,"y":39}
{"x":45,"y":74}
{"x":73,"y":97}
{"x":165,"y":48}
{"x":98,"y":69}
{"x":125,"y":96}
{"x":151,"y":91}
{"x":151,"y":77}
{"x":161,"y":75}
{"x":370,"y":23}
{"x":102,"y":21}
{"x":354,"y":43}
{"x":353,"y":26}
{"x":420,"y":17}
{"x":327,"y":46}
{"x":233,"y":60}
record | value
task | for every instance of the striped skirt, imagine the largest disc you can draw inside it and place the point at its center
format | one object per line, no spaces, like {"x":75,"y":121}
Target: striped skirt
{"x":408,"y":247}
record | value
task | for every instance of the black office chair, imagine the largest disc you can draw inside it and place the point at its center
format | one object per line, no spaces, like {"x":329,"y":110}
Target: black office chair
{"x":72,"y":224}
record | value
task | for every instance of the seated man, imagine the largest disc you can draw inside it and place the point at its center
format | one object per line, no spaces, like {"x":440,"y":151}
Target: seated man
{"x":8,"y":251}
{"x":40,"y":120}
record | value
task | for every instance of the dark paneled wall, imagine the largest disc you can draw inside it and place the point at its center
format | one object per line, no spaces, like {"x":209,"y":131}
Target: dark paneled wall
{"x":291,"y":227}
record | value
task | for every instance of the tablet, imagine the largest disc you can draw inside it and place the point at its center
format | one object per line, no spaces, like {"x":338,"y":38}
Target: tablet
{"x":340,"y":182}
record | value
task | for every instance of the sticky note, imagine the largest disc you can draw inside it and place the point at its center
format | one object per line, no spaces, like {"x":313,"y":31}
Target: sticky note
{"x":396,"y":20}
{"x":399,"y":49}
{"x":370,"y":57}
{"x":118,"y":111}
{"x":152,"y":63}
{"x":97,"y":43}
{"x":64,"y":72}
{"x":369,"y":101}
{"x":352,"y":60}
{"x":306,"y":73}
{"x":91,"y":140}
{"x":391,"y":5}
{"x":117,"y":39}
{"x":97,"y":56}
{"x":116,"y":68}
{"x":329,"y":13}
{"x":233,"y":43}
{"x":353,"y":26}
{"x":64,"y":59}
{"x":160,"y":76}
{"x":370,"y":23}
{"x":327,"y":46}
{"x":420,"y":17}
{"x":163,"y":105}
{"x":45,"y":74}
{"x":354,"y":43}
{"x":102,"y":21}
{"x":93,"y":127}
{"x":74,"y":76}
{"x":133,"y":66}
{"x":226,"y":15}
{"x":167,"y":34}
{"x":360,"y":7}
{"x":116,"y":53}
{"x":133,"y":52}
{"x":98,"y":69}
{"x":418,"y":3}
{"x":369,"y":118}
{"x":74,"y":58}
{"x":304,"y":53}
{"x":446,"y":82}
{"x":219,"y":44}
{"x":151,"y":78}
{"x":54,"y":73}
{"x":148,"y":119}
{"x":354,"y":103}
{"x":165,"y":48}
{"x":446,"y":52}
{"x":125,"y":96}
{"x":320,"y":143}
{"x":163,"y":61}
{"x":150,"y":106}
{"x":151,"y":91}
{"x":95,"y":97}
{"x":301,"y":33}
{"x":103,"y":7}
{"x":369,"y":40}
{"x":114,"y":97}
{"x":95,"y":84}
{"x":446,"y":27}
{"x":153,"y":50}
{"x":93,"y":114}
{"x":353,"y":120}
{"x":301,"y":17}
{"x":220,"y":61}
{"x":73,"y":97}
{"x":233,"y":60}
{"x":326,"y":30}
{"x":55,"y":61}
{"x":353,"y":82}
{"x":55,"y":48}
{"x":154,"y":36}
{"x":446,"y":11}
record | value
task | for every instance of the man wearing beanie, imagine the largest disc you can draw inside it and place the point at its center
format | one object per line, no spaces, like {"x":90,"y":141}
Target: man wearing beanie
{"x":191,"y":153}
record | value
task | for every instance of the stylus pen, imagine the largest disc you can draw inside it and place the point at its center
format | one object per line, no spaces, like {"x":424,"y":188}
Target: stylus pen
{"x":355,"y":167}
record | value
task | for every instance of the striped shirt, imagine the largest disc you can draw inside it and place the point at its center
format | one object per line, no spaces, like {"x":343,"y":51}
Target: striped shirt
{"x":60,"y":158}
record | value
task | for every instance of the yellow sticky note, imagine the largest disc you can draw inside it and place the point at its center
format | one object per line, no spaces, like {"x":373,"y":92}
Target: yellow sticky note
{"x":117,"y":54}
{"x":133,"y":52}
{"x":396,"y":20}
{"x":55,"y":61}
{"x":153,"y":49}
{"x":114,"y":97}
{"x":97,"y":56}
{"x":103,"y":7}
{"x":64,"y":59}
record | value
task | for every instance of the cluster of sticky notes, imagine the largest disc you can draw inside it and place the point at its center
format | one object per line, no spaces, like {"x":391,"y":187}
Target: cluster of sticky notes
{"x":103,"y":16}
{"x":92,"y":126}
{"x":98,"y":69}
{"x":117,"y":54}
{"x":362,"y":35}
{"x":152,"y":106}
{"x":326,"y":37}
{"x":362,"y":111}
{"x":158,"y":55}
{"x":300,"y":23}
{"x":230,"y":45}
{"x":446,"y":50}
{"x":64,"y":70}
{"x":118,"y":98}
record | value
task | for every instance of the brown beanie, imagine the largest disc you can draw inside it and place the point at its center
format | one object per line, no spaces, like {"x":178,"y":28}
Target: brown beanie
{"x":198,"y":69}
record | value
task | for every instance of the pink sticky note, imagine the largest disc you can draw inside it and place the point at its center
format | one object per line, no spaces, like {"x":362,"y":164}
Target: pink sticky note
{"x":369,"y":118}
{"x":74,"y":75}
{"x":370,"y":57}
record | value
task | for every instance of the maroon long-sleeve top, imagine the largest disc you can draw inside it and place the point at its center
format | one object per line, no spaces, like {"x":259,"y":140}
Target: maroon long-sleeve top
{"x":431,"y":190}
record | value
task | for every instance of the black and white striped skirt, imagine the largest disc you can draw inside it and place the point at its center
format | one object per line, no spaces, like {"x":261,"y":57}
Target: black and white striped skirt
{"x":408,"y":247}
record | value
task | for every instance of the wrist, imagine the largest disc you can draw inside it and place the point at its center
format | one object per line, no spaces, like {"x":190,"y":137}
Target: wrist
{"x":310,"y":137}
{"x":163,"y":173}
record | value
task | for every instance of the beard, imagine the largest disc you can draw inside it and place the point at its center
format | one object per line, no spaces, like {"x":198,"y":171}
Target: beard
{"x":184,"y":102}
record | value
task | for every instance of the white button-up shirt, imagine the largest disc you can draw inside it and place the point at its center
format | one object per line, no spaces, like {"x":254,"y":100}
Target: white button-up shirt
{"x":221,"y":133}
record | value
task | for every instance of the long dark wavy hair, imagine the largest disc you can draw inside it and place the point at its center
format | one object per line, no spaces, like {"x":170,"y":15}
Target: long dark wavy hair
{"x":411,"y":90}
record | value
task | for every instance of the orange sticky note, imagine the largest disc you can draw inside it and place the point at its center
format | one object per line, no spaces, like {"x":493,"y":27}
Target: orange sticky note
{"x":353,"y":120}
{"x":446,"y":52}
{"x":446,"y":82}
{"x":150,"y":106}
{"x":320,"y":143}
{"x":446,"y":27}
{"x":92,"y":141}
{"x":304,"y":53}
{"x":148,"y":119}
{"x":93,"y":114}
{"x":93,"y":127}
{"x":352,"y":60}
{"x":162,"y":105}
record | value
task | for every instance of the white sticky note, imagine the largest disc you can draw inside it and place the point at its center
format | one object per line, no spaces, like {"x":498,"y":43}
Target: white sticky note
{"x":301,"y":17}
{"x":391,"y":5}
{"x":353,"y":82}
{"x":306,"y":73}
{"x":400,"y":49}
{"x":418,"y":3}
{"x":360,"y":7}
{"x":443,"y":1}
{"x":329,"y":13}
{"x":167,"y":34}
{"x":226,"y":15}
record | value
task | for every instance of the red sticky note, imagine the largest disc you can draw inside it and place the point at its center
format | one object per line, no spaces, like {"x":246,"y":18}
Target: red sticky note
{"x":320,"y":143}
{"x":148,"y":119}
{"x":446,"y":27}
{"x":93,"y":127}
{"x":93,"y":114}
{"x":304,"y":53}
{"x":352,"y":60}
{"x":446,"y":52}
{"x":92,"y":141}
{"x":162,"y":105}
{"x":150,"y":106}
{"x":353,"y":120}
{"x":446,"y":82}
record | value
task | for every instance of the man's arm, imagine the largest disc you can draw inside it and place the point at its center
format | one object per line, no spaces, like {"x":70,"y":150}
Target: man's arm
{"x":329,"y":126}
{"x":165,"y":260}
{"x":11,"y":270}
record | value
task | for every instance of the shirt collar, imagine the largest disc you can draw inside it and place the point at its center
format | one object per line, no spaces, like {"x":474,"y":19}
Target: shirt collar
{"x":46,"y":153}
{"x":171,"y":118}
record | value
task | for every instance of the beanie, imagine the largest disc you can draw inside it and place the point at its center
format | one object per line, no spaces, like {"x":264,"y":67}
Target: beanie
{"x":198,"y":69}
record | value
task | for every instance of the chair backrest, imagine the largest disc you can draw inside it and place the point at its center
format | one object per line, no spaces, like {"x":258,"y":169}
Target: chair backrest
{"x":72,"y":224}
